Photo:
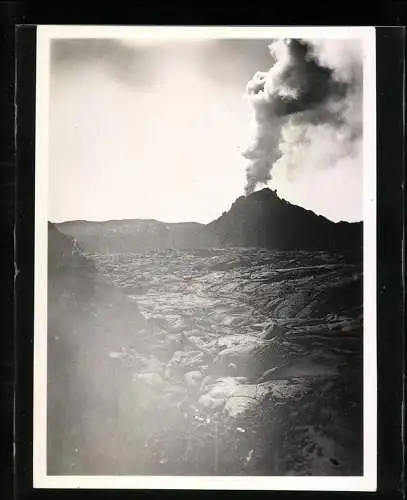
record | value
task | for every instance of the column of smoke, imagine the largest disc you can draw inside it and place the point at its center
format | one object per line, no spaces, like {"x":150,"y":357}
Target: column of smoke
{"x":308,"y":101}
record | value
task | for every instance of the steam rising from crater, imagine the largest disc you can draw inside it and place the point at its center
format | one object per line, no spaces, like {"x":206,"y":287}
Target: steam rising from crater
{"x":306,"y":110}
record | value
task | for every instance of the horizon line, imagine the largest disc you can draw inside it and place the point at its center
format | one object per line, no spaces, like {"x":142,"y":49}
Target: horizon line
{"x":266,"y":188}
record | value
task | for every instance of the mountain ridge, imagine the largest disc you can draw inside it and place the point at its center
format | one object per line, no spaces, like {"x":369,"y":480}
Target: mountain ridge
{"x":259,"y":219}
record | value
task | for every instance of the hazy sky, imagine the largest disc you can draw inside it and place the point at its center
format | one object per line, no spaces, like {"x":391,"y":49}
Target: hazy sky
{"x":152,"y":130}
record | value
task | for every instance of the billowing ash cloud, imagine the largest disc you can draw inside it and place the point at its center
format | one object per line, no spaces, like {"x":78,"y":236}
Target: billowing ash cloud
{"x":308,"y":103}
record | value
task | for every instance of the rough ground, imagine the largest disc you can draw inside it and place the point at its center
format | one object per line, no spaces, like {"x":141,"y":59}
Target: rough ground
{"x":242,"y":362}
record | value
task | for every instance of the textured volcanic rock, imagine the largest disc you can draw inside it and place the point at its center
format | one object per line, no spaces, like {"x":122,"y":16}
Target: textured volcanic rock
{"x":237,"y":360}
{"x":258,"y":355}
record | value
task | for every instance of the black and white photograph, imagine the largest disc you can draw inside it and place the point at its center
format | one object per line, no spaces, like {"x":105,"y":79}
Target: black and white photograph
{"x":205,"y":258}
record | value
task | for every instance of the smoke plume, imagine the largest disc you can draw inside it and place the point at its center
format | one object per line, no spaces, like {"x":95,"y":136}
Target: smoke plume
{"x":307,"y":108}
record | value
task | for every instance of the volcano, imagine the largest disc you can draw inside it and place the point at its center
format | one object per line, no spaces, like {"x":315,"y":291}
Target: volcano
{"x":261,"y":219}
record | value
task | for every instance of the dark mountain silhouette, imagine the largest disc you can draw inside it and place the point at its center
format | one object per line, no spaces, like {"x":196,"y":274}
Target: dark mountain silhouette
{"x":261,"y":219}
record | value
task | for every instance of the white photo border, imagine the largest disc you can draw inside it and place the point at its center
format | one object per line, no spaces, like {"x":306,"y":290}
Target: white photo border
{"x":366,"y":482}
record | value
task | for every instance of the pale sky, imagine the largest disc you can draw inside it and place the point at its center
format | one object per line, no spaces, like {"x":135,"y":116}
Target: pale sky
{"x":152,"y":130}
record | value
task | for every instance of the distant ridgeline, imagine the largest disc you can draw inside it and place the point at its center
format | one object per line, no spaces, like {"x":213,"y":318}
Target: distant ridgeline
{"x":261,"y":219}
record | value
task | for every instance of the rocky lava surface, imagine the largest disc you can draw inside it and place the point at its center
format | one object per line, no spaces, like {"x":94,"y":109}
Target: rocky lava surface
{"x":241,"y":361}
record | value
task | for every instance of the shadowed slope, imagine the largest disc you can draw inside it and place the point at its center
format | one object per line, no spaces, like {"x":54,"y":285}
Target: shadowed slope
{"x":85,"y":430}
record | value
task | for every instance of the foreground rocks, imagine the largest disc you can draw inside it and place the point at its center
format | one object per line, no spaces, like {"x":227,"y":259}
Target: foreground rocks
{"x":237,"y":361}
